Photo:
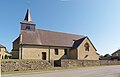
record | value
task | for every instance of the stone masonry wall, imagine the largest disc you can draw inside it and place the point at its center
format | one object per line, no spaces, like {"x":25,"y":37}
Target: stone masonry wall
{"x":22,"y":65}
{"x":71,"y":63}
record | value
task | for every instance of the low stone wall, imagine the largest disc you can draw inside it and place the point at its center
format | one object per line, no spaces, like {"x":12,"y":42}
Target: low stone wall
{"x":22,"y":65}
{"x":71,"y":63}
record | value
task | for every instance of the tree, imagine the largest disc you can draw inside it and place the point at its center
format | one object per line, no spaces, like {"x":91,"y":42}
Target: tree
{"x":101,"y":56}
{"x":107,"y":55}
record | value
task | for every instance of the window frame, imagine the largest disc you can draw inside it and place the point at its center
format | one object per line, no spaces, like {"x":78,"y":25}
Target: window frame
{"x":87,"y":46}
{"x":65,"y":51}
{"x":56,"y":51}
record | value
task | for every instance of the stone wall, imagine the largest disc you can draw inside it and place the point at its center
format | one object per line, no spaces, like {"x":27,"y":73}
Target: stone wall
{"x":71,"y":63}
{"x":22,"y":65}
{"x":35,"y":52}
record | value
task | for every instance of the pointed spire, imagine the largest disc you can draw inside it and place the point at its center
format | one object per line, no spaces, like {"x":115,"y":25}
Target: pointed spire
{"x":28,"y":19}
{"x":28,"y":16}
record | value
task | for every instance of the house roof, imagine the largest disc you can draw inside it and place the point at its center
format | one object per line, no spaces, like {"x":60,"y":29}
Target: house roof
{"x":49,"y":38}
{"x":116,"y":51}
{"x":1,"y":46}
{"x":79,"y":41}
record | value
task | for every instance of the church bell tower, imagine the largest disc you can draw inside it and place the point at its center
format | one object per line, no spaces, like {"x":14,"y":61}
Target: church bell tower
{"x":27,"y":23}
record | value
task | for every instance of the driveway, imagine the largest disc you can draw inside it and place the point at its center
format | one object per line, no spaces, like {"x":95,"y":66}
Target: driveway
{"x":103,"y":71}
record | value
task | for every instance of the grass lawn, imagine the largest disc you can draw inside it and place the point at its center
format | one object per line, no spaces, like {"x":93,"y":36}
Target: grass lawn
{"x":49,"y":69}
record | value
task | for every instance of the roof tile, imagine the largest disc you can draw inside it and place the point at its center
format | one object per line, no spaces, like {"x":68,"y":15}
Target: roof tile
{"x":49,"y":38}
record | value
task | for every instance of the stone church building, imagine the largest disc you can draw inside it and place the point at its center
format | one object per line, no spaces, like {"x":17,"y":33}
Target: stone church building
{"x":34,"y":43}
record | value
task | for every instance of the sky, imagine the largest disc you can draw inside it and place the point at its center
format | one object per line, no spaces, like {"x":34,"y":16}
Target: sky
{"x":97,"y":19}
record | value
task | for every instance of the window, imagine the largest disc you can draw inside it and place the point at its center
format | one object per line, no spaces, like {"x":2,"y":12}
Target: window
{"x":65,"y":51}
{"x":43,"y":55}
{"x":28,"y":27}
{"x":86,"y":47}
{"x":86,"y":56}
{"x":2,"y":57}
{"x":56,"y":51}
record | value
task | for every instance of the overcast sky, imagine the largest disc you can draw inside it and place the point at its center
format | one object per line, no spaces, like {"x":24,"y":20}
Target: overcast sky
{"x":98,"y":19}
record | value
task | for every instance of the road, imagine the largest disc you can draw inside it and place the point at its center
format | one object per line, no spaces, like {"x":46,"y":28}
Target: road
{"x":103,"y":71}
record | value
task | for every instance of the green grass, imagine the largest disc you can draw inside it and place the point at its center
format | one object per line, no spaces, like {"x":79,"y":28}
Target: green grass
{"x":49,"y":69}
{"x":29,"y":71}
{"x":20,"y":60}
{"x":2,"y":60}
{"x":52,"y":69}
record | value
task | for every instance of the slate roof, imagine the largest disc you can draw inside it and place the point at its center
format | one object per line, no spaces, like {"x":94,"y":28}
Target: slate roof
{"x":78,"y":42}
{"x":1,"y":46}
{"x":49,"y":38}
{"x":116,"y":52}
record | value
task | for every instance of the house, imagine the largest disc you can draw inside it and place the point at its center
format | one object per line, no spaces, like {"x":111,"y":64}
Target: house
{"x":116,"y":55}
{"x":3,"y":53}
{"x":34,"y":43}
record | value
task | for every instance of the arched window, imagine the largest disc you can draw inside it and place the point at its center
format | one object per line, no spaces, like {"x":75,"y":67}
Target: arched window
{"x":86,"y":47}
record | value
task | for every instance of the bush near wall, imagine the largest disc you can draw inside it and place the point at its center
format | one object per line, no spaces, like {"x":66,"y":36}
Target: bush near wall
{"x":71,"y":63}
{"x":22,"y":65}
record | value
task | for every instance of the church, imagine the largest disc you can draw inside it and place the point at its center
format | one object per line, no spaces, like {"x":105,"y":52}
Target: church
{"x":33,"y":43}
